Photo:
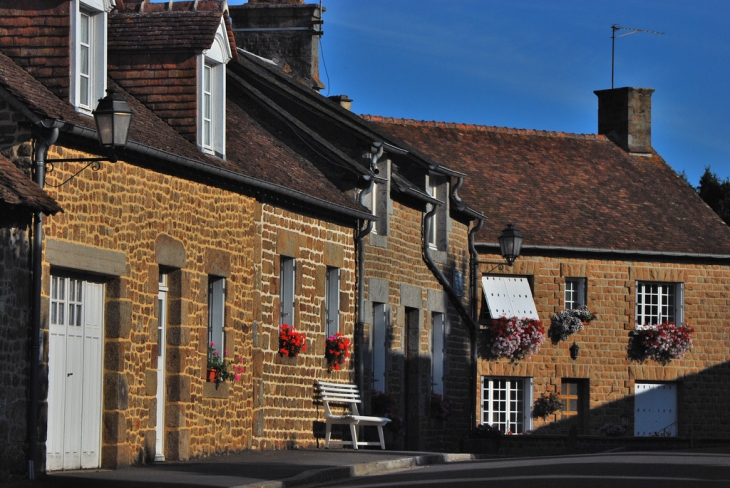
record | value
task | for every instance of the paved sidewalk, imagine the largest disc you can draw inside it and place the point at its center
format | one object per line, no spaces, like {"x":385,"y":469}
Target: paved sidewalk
{"x":269,"y":469}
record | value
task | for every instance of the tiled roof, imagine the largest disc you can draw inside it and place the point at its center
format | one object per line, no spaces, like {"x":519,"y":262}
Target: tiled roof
{"x":569,"y":190}
{"x":252,"y":150}
{"x":258,"y":153}
{"x":18,"y":189}
{"x":184,"y":30}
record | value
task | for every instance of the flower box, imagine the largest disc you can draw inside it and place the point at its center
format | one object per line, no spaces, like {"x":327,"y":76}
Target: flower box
{"x":661,"y":343}
{"x":513,"y":338}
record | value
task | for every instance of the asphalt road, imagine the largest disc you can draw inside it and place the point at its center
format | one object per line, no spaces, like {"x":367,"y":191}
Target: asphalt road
{"x":623,"y":470}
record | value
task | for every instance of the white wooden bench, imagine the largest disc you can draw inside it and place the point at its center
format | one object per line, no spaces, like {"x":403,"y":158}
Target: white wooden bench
{"x":347,"y":394}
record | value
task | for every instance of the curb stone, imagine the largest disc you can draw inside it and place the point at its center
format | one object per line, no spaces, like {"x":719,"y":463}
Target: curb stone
{"x":363,"y":469}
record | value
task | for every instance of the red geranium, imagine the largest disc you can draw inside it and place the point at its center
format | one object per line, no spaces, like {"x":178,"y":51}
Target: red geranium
{"x":291,"y":342}
{"x":336,"y":350}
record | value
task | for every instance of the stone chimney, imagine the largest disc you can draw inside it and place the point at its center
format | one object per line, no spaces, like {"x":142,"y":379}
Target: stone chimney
{"x":624,"y":115}
{"x":342,"y":100}
{"x":285,"y":31}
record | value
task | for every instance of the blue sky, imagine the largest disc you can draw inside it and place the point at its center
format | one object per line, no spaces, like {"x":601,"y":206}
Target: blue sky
{"x":535,"y":64}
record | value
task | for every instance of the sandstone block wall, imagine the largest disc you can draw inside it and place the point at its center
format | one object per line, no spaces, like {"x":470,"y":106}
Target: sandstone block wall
{"x":192,"y":231}
{"x":395,"y":261}
{"x":611,"y":290}
{"x":15,"y":307}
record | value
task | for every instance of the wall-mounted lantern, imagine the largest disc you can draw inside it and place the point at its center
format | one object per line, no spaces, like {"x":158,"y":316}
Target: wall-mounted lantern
{"x":574,"y":350}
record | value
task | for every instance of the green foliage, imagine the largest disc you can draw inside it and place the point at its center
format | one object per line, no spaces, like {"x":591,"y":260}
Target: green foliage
{"x":715,"y":193}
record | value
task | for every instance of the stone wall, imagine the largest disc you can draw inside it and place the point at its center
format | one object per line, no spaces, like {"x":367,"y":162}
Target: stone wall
{"x":701,"y":375}
{"x":15,"y":307}
{"x":397,"y":275}
{"x":284,"y":413}
{"x":135,"y":222}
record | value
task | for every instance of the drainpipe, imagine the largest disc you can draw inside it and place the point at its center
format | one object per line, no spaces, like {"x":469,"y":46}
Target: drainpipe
{"x":456,"y":301}
{"x":363,"y":231}
{"x":35,"y":331}
{"x":376,"y":153}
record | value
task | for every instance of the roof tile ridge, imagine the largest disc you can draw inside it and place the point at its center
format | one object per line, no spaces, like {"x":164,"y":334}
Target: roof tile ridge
{"x":482,"y":128}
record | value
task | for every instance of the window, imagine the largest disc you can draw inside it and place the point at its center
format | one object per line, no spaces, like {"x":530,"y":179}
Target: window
{"x":88,"y":53}
{"x":569,"y":396}
{"x":216,"y":313}
{"x":212,"y":94}
{"x":506,"y":403}
{"x":438,"y":344}
{"x":436,"y":187}
{"x":287,"y":272}
{"x":379,"y":346}
{"x":575,"y":293}
{"x":657,"y":303}
{"x":332,"y":301}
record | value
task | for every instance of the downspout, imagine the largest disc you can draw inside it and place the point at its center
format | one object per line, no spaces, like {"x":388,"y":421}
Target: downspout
{"x":364,"y":231}
{"x":455,"y":300}
{"x":35,"y":330}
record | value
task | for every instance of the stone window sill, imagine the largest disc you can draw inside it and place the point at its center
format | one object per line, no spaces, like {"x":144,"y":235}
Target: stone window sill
{"x":215,"y":390}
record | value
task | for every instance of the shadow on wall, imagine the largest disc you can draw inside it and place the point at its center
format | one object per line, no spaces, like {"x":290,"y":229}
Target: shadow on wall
{"x":697,"y":398}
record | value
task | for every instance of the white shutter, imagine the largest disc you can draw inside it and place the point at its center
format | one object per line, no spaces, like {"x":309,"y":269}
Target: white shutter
{"x":437,"y":353}
{"x":509,"y":296}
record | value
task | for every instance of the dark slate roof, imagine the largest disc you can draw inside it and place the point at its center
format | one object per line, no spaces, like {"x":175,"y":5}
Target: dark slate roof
{"x":258,"y":155}
{"x":569,"y":190}
{"x":18,"y":189}
{"x":168,"y":30}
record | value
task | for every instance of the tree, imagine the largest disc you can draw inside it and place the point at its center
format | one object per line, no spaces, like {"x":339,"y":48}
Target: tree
{"x":715,"y":193}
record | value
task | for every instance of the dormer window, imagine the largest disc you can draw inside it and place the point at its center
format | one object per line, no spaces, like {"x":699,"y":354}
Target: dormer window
{"x":88,"y":53}
{"x":437,"y":187}
{"x":212,"y":94}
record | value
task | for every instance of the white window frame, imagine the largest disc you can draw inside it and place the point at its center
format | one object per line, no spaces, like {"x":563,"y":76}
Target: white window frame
{"x":332,"y":301}
{"x":575,"y":293}
{"x":658,"y":302}
{"x":212,"y":99}
{"x":432,"y":188}
{"x":217,"y":313}
{"x":96,"y":11}
{"x":287,"y":280}
{"x":438,"y":351}
{"x":511,"y":413}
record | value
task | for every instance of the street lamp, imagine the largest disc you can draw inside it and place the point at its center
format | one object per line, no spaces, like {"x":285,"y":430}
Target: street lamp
{"x":113,"y":118}
{"x":510,"y":244}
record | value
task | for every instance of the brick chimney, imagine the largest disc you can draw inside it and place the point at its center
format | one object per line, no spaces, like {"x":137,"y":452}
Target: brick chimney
{"x":624,"y":115}
{"x":285,"y":31}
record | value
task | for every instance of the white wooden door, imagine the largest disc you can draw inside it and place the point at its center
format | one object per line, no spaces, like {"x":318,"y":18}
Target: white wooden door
{"x":655,"y":409}
{"x":75,"y":374}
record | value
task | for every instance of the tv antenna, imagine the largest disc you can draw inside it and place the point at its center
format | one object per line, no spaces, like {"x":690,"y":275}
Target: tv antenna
{"x":631,"y":30}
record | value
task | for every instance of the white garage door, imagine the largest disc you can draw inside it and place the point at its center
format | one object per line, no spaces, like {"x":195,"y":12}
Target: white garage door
{"x":74,"y":369}
{"x":655,"y":411}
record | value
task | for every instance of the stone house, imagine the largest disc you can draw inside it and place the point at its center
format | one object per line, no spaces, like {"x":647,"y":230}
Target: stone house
{"x":210,"y":227}
{"x":609,"y":225}
{"x":415,"y":334}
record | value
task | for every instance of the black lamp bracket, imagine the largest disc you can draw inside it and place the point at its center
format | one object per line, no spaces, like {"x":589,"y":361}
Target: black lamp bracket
{"x":94,"y":164}
{"x":499,"y":266}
